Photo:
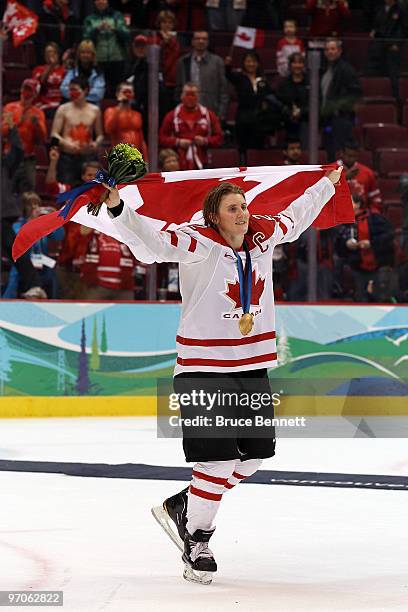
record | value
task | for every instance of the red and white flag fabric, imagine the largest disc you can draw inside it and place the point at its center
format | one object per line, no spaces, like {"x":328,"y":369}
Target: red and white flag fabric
{"x":248,"y":38}
{"x":174,"y":199}
{"x":21,"y":21}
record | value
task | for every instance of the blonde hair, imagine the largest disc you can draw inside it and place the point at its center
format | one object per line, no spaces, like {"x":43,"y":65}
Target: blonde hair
{"x":86,"y":45}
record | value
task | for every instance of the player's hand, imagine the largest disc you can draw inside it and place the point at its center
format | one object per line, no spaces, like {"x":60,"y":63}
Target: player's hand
{"x":113,"y":197}
{"x":334,"y":175}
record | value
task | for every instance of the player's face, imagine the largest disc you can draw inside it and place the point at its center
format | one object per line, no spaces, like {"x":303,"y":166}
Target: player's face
{"x":233,"y":216}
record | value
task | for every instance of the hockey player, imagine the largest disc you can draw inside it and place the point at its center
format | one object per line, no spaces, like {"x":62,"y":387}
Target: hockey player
{"x":226,"y":337}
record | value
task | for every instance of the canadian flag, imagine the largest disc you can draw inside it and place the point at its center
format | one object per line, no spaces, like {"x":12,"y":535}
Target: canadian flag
{"x":173,"y":199}
{"x":20,"y":21}
{"x":249,"y":38}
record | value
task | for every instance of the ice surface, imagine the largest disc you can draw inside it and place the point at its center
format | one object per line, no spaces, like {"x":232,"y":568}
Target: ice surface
{"x":279,"y":548}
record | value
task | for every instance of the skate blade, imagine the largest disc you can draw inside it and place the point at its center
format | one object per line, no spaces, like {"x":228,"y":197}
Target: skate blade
{"x":165,"y":523}
{"x":196,"y":576}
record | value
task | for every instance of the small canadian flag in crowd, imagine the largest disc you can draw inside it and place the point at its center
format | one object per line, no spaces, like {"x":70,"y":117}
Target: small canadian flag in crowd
{"x":249,"y":38}
{"x":20,"y":21}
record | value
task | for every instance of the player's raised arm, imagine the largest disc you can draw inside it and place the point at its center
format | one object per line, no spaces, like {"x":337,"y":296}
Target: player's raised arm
{"x":301,"y":213}
{"x":178,"y":245}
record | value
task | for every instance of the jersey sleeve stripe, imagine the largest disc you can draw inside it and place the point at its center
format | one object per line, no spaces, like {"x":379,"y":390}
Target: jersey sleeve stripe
{"x":193,"y":245}
{"x":226,"y":341}
{"x":173,"y":239}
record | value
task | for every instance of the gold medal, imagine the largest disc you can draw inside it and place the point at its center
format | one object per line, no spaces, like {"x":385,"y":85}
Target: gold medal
{"x":246,"y":323}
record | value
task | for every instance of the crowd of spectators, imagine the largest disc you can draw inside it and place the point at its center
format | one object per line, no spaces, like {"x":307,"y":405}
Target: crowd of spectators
{"x":85,"y":88}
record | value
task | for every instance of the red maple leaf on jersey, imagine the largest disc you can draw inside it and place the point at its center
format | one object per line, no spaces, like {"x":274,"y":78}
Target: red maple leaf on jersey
{"x":257,"y":290}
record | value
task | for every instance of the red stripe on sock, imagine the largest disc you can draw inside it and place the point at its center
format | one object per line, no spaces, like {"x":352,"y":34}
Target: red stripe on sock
{"x":228,"y":485}
{"x":213,"y":479}
{"x":205,"y":494}
{"x":239,"y":476}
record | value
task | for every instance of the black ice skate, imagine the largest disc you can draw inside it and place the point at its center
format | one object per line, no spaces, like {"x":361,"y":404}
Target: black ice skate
{"x":198,"y":558}
{"x":172,"y":517}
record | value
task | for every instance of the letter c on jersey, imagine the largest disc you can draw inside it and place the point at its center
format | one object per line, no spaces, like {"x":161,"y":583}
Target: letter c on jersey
{"x":259,"y":238}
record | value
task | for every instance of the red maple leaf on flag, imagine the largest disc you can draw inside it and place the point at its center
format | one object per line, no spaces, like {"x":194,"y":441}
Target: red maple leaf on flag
{"x":258,"y":286}
{"x":244,"y":36}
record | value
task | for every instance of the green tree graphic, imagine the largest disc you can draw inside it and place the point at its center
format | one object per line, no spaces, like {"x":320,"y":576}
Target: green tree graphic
{"x":95,"y":361}
{"x":104,"y":337}
{"x":5,"y":365}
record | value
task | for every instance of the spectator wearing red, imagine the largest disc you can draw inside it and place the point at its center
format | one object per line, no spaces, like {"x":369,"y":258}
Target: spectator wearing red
{"x":135,"y":73}
{"x":190,"y":15}
{"x":289,"y":44}
{"x":169,"y":54}
{"x":108,"y":268}
{"x":74,"y":245}
{"x":367,"y":247}
{"x":50,"y":76}
{"x":327,"y":16}
{"x":122,"y":123}
{"x":32,"y":128}
{"x":190,"y":129}
{"x":361,"y":178}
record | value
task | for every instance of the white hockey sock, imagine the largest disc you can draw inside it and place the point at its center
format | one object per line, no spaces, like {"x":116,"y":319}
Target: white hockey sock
{"x":243,"y":469}
{"x":205,"y":492}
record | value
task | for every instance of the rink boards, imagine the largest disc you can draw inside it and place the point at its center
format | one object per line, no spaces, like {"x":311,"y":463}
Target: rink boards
{"x":88,"y":359}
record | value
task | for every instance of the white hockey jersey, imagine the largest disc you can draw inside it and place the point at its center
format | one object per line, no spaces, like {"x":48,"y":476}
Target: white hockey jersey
{"x":208,"y":338}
